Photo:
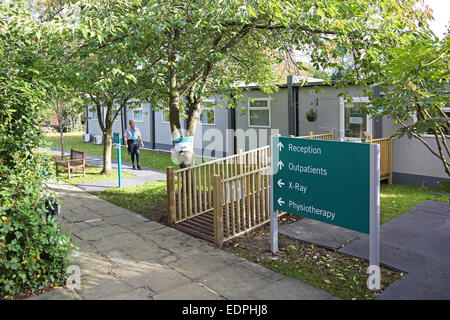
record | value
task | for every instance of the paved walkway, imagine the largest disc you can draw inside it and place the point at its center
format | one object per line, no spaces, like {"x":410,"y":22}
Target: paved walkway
{"x":124,"y":256}
{"x":417,"y":242}
{"x":145,"y":175}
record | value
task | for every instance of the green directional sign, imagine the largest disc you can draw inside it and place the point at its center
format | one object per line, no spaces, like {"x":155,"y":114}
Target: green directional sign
{"x":116,"y":137}
{"x":323,"y":180}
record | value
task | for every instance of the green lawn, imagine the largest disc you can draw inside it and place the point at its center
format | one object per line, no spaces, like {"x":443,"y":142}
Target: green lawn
{"x":398,"y":199}
{"x":93,"y":173}
{"x":149,"y":199}
{"x":148,"y":158}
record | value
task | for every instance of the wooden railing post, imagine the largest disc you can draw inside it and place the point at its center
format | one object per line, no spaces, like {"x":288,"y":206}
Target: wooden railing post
{"x":171,"y":195}
{"x":240,"y":161}
{"x":310,"y":134}
{"x":331,"y":135}
{"x":218,"y":211}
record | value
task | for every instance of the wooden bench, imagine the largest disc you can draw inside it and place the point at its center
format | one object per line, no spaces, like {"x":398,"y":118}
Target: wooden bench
{"x":77,"y":160}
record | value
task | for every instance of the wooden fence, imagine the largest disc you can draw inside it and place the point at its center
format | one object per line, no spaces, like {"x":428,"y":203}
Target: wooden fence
{"x":190,"y":190}
{"x":324,"y":136}
{"x":385,"y":157}
{"x":241,"y":205}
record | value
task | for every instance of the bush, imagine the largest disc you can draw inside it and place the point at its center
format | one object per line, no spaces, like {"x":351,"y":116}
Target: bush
{"x":33,"y":252}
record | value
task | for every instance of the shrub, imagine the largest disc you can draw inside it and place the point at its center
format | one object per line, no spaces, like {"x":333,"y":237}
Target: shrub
{"x":33,"y":252}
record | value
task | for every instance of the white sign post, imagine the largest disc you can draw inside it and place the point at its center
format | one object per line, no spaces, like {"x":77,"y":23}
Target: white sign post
{"x":273,"y":213}
{"x":373,"y":282}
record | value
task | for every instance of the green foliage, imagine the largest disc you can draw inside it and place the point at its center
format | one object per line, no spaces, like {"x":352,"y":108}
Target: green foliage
{"x":415,"y":83}
{"x":33,"y":253}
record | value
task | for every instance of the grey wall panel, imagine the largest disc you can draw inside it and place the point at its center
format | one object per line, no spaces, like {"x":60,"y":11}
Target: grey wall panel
{"x":325,"y":99}
{"x":254,"y":137}
{"x":412,"y":157}
{"x":416,"y":180}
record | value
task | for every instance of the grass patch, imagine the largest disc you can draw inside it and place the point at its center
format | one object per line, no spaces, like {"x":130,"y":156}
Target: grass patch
{"x":148,"y":158}
{"x":336,"y":273}
{"x":93,"y":173}
{"x":149,"y":200}
{"x":398,"y":199}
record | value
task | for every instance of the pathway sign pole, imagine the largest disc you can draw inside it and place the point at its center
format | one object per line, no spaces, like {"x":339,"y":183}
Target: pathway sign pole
{"x":117,"y":145}
{"x":273,"y":213}
{"x":373,"y":282}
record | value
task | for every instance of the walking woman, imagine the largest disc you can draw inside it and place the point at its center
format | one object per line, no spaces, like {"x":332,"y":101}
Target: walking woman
{"x":132,"y":139}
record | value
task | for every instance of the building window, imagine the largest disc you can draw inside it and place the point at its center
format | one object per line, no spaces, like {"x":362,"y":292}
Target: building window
{"x":114,"y":114}
{"x":137,"y":115}
{"x":93,"y":114}
{"x":207,"y":117}
{"x":259,"y":112}
{"x":445,"y":129}
{"x":166,"y":116}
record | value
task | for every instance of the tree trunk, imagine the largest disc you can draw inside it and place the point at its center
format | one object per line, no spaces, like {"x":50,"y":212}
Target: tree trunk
{"x":61,"y":133}
{"x":107,"y":147}
{"x":187,"y":159}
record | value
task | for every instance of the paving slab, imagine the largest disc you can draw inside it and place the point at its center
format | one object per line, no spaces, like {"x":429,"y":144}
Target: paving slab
{"x":289,"y":290}
{"x":117,"y":241}
{"x":412,"y":287}
{"x":437,"y":207}
{"x":320,"y":233}
{"x":190,"y":291}
{"x":58,"y":294}
{"x":134,"y":294}
{"x":157,"y":277}
{"x":198,"y":265}
{"x":99,"y":232}
{"x":236,"y":283}
{"x":125,"y":219}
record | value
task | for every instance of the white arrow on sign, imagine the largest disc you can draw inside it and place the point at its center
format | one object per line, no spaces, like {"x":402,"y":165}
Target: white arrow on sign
{"x":280,"y":183}
{"x":280,"y":164}
{"x":280,"y":146}
{"x":280,"y":201}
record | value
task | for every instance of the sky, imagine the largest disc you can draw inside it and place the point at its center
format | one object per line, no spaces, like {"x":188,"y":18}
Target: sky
{"x":441,"y":14}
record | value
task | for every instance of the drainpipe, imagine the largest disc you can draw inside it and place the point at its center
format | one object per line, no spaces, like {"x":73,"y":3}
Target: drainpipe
{"x":232,"y":123}
{"x":291,"y":108}
{"x":124,"y":121}
{"x":379,"y":121}
{"x":297,"y":110}
{"x":87,"y":119}
{"x":152,"y":133}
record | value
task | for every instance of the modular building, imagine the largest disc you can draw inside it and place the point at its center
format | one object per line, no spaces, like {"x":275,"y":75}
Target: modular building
{"x":222,"y":131}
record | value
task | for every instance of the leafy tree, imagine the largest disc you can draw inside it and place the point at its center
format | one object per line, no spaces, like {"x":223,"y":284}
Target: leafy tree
{"x":211,"y":46}
{"x":415,"y":86}
{"x":66,"y":108}
{"x":195,"y":48}
{"x":105,"y":72}
{"x":33,"y":252}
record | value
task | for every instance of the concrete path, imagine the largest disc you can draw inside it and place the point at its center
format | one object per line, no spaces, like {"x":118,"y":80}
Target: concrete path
{"x":145,"y":175}
{"x":417,"y":243}
{"x":124,"y":256}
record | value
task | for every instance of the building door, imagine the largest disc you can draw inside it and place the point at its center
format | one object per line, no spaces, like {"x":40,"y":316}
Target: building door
{"x":353,"y":122}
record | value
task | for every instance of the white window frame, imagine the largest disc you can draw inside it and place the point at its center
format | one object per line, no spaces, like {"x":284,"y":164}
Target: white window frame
{"x":93,"y":113}
{"x":213,"y":108}
{"x":427,"y":135}
{"x":259,"y":108}
{"x":118,"y":116}
{"x":342,"y":118}
{"x":162,"y":116}
{"x":142,"y":112}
